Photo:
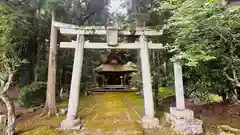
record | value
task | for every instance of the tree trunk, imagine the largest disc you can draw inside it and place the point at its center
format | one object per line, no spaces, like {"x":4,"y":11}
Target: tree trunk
{"x":51,"y":86}
{"x":11,"y":124}
{"x":224,"y":96}
{"x":234,"y":96}
{"x":36,"y":72}
{"x":38,"y":30}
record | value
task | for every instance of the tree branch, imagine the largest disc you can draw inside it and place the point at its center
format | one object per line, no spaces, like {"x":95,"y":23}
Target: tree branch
{"x":229,"y":78}
{"x":234,"y":79}
{"x":90,"y":15}
{"x":7,"y":85}
{"x":234,"y":76}
{"x":2,"y":84}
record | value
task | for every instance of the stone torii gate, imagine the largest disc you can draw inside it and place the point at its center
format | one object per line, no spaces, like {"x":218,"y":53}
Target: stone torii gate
{"x":149,"y":120}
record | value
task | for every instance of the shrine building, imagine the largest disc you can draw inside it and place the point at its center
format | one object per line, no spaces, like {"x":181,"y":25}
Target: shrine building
{"x":114,"y":74}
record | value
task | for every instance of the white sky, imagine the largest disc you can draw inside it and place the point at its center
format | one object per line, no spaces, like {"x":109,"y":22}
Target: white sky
{"x":115,"y":6}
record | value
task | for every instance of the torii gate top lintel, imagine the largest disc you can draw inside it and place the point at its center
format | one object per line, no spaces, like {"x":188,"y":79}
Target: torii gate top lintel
{"x":70,"y":29}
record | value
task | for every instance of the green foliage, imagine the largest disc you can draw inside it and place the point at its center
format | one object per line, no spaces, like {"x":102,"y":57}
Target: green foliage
{"x":11,"y":22}
{"x":206,"y":40}
{"x":136,"y":80}
{"x":33,"y":94}
{"x":165,"y":92}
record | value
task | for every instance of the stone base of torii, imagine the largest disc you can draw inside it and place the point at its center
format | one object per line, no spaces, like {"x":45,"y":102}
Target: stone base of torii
{"x":182,"y":120}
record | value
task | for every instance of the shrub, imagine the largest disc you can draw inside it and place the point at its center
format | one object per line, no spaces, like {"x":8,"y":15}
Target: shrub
{"x":33,"y":95}
{"x":166,"y":92}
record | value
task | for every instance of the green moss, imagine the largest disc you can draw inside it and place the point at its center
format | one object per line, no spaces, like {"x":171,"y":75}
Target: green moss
{"x":42,"y":131}
{"x":36,"y":122}
{"x":62,"y":105}
{"x":110,"y":112}
{"x":214,"y":97}
{"x":107,"y":112}
{"x":135,"y":101}
{"x":228,"y":129}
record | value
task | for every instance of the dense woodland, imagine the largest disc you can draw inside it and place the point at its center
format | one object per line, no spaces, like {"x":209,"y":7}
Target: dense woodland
{"x":202,"y":34}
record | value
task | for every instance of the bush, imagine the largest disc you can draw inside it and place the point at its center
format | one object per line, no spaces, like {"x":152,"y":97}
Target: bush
{"x":165,"y":93}
{"x":33,"y":95}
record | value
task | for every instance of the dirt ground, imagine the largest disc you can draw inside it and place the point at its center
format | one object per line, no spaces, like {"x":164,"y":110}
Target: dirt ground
{"x":212,"y":114}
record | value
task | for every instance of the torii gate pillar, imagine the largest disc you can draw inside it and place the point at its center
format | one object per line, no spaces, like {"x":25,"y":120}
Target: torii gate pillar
{"x":149,"y":120}
{"x":72,"y":121}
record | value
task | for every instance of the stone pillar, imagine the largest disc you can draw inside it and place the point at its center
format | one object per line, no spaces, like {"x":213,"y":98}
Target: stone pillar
{"x":179,"y":86}
{"x":71,"y":122}
{"x":181,"y":119}
{"x":149,"y":121}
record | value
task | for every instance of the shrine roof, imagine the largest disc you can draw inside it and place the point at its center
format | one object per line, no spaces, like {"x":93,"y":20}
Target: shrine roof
{"x":115,"y":68}
{"x":113,"y":63}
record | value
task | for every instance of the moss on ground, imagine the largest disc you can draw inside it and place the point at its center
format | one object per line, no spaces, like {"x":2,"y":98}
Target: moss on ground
{"x":228,"y":129}
{"x":62,"y":105}
{"x":112,"y":113}
{"x":135,"y":102}
{"x":36,"y":125}
{"x":45,"y":130}
{"x":39,"y":126}
{"x":106,"y":112}
{"x":109,"y":112}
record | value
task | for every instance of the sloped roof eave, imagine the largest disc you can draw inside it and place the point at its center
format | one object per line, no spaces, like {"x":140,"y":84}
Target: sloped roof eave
{"x":114,"y":68}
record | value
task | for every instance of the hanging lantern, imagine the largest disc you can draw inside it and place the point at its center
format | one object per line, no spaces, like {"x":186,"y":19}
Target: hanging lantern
{"x":112,"y":37}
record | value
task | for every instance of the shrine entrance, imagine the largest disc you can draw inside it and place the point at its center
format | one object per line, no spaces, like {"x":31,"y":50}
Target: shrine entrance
{"x":113,"y":79}
{"x":180,"y":117}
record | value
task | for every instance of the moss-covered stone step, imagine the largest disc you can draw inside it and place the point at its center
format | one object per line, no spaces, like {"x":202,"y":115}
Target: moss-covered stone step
{"x":111,"y":125}
{"x":113,"y":114}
